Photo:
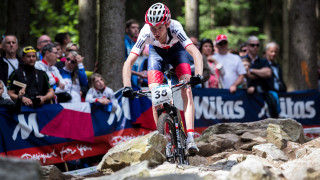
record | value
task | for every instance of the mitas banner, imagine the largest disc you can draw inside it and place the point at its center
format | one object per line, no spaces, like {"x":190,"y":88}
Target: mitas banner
{"x":63,"y":132}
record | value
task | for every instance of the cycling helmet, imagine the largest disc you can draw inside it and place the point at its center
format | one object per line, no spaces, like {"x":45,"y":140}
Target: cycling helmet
{"x":157,"y":14}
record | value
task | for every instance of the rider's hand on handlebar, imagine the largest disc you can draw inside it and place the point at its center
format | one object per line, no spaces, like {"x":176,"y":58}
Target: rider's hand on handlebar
{"x":127,"y":92}
{"x":194,"y":80}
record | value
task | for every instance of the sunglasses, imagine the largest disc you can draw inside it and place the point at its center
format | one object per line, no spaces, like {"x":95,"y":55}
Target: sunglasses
{"x":28,"y":49}
{"x":73,"y":62}
{"x":243,"y":50}
{"x":253,"y":45}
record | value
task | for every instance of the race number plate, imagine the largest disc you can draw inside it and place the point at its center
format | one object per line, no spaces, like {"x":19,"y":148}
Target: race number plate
{"x":161,"y":94}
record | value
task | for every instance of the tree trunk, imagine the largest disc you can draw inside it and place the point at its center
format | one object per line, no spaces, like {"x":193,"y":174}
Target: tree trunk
{"x":285,"y":45}
{"x":111,"y":41}
{"x":267,"y":23}
{"x":18,"y":22}
{"x":302,"y":45}
{"x":192,"y":18}
{"x":87,"y":32}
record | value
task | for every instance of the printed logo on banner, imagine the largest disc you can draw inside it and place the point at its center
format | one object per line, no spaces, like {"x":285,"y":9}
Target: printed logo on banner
{"x":213,"y":107}
{"x":26,"y":126}
{"x":297,"y":109}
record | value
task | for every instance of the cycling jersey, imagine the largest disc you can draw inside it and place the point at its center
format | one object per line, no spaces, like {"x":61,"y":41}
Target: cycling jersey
{"x":175,"y":34}
{"x":173,"y":52}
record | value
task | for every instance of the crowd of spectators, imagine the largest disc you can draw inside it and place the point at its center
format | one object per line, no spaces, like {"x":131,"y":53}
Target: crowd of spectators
{"x":54,"y":73}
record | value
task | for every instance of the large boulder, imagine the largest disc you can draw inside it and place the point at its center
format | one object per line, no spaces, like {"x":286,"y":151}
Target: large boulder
{"x":149,"y":147}
{"x":258,"y":128}
{"x":19,"y":169}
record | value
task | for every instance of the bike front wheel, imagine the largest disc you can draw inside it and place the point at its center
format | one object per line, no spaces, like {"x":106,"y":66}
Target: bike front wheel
{"x":166,"y":127}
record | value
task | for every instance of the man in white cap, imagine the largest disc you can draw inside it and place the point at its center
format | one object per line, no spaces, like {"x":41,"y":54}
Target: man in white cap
{"x":232,"y":64}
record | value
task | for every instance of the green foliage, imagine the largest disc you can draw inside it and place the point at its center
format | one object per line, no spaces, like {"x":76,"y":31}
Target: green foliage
{"x":49,"y":20}
{"x":214,"y":19}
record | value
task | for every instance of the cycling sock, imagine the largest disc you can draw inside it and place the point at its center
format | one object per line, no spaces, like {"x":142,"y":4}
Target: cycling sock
{"x":190,"y":137}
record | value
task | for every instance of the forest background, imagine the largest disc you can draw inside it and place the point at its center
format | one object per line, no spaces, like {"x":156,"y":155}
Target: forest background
{"x":98,"y":26}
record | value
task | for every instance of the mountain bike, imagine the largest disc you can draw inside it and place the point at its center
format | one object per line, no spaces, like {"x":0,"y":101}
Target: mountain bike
{"x":169,"y":122}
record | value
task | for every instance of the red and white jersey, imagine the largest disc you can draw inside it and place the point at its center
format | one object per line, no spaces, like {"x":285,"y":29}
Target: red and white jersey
{"x":175,"y":34}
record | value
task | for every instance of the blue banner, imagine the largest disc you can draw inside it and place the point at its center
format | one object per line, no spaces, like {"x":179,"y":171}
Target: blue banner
{"x":62,"y":132}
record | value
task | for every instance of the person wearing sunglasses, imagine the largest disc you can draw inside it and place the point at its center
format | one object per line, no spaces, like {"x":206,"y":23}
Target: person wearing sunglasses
{"x":243,"y":49}
{"x":234,"y":70}
{"x":260,"y":70}
{"x":74,"y":76}
{"x":37,"y":90}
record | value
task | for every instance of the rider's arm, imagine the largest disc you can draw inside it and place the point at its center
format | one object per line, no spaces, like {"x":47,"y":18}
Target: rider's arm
{"x":198,"y":62}
{"x":127,"y":67}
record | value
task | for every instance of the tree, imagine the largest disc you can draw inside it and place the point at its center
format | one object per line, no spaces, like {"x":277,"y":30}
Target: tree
{"x":192,"y":18}
{"x":111,"y":41}
{"x":302,"y":45}
{"x":87,"y":32}
{"x":18,"y":20}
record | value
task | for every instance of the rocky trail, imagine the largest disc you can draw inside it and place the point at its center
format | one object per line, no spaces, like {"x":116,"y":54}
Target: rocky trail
{"x":271,"y":149}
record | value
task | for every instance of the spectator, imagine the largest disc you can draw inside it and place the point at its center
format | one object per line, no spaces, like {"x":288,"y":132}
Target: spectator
{"x":59,"y":51}
{"x":260,"y":71}
{"x":206,"y":69}
{"x":74,"y":76}
{"x":260,"y":75}
{"x":38,"y":90}
{"x":243,"y":49}
{"x":70,"y":47}
{"x":5,"y":94}
{"x":206,"y":48}
{"x":247,"y":64}
{"x":10,"y":60}
{"x":63,"y":39}
{"x":49,"y":53}
{"x":132,"y":32}
{"x":8,"y":103}
{"x":42,"y":41}
{"x":100,"y":93}
{"x":232,"y":64}
{"x":272,"y":50}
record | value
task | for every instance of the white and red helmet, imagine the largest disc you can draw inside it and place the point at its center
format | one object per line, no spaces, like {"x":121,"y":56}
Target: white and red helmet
{"x":157,"y":14}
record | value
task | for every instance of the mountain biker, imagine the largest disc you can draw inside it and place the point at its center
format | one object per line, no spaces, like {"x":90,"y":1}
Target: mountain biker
{"x":168,"y":44}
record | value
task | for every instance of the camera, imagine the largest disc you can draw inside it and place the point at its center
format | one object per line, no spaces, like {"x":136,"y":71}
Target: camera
{"x":36,"y":102}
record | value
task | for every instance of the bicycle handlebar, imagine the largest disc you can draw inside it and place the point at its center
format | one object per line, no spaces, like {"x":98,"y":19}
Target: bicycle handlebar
{"x":143,"y":93}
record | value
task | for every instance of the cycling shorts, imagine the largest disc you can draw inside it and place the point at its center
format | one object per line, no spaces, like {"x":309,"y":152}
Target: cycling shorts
{"x":158,"y":59}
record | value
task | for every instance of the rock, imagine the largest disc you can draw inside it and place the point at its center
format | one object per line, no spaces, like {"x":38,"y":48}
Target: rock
{"x":216,"y":144}
{"x":270,"y":152}
{"x":19,"y":169}
{"x":51,"y":172}
{"x":290,"y":150}
{"x":148,"y":147}
{"x":258,"y":128}
{"x":172,"y":177}
{"x":197,"y":161}
{"x":137,"y":170}
{"x":298,"y":169}
{"x":250,"y":169}
{"x":307,"y":148}
{"x":277,"y":136}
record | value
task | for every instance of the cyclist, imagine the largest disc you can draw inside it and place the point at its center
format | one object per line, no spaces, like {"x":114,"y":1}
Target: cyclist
{"x":168,"y":44}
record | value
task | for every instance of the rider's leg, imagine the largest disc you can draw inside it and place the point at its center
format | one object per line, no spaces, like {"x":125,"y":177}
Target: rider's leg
{"x":188,"y":107}
{"x":155,"y":114}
